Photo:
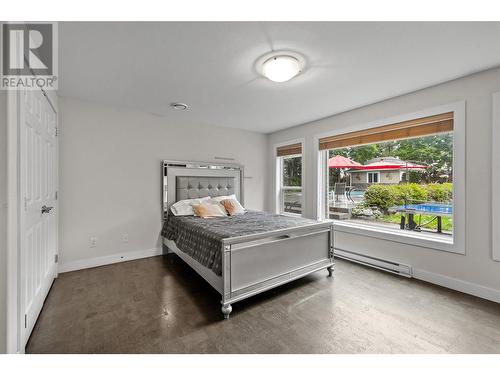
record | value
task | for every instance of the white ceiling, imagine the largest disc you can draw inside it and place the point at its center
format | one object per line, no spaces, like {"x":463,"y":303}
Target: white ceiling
{"x":210,"y":66}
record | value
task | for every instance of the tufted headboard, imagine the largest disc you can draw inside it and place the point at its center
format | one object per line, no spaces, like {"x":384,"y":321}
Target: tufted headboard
{"x":186,"y":180}
{"x":199,"y":187}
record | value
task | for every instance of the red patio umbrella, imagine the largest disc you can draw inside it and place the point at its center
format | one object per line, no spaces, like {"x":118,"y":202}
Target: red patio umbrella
{"x":342,"y":162}
{"x":339,"y":161}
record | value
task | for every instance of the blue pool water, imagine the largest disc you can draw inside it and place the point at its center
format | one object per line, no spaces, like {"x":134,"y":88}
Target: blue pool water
{"x":430,"y":208}
{"x":357,"y":193}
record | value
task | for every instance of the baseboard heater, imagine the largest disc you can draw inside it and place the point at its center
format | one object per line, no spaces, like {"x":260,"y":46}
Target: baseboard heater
{"x":381,"y":264}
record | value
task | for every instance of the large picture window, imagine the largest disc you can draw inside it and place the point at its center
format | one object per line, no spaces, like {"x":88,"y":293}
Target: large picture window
{"x":290,"y":179}
{"x":397,"y":177}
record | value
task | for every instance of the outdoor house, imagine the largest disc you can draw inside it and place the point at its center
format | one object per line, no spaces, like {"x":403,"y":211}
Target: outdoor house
{"x":384,"y":170}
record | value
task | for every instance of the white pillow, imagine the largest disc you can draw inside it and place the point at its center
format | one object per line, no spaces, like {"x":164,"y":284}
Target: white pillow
{"x":183,"y":208}
{"x":222,"y":197}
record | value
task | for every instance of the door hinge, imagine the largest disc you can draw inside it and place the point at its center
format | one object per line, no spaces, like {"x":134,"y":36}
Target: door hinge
{"x":55,"y":195}
{"x":56,"y":258}
{"x":25,"y":321}
{"x":57,"y":131}
{"x":25,"y":204}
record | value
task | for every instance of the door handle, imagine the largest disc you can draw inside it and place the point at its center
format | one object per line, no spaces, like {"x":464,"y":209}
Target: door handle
{"x":46,"y":210}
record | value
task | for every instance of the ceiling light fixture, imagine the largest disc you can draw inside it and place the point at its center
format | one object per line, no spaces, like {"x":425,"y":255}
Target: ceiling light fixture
{"x":179,"y":106}
{"x":280,"y":66}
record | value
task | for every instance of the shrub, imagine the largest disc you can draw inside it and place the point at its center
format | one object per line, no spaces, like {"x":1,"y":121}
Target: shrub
{"x":440,"y":192}
{"x":409,"y":193}
{"x":381,"y":196}
{"x":386,"y":196}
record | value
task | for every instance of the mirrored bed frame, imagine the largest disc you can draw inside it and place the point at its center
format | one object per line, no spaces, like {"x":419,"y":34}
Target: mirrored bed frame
{"x":250,"y":263}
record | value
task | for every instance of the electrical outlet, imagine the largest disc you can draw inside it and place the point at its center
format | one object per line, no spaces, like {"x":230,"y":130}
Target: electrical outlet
{"x":125,"y":237}
{"x":93,"y":241}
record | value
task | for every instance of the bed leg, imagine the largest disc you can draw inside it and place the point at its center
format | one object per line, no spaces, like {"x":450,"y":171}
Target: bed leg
{"x":226,"y":310}
{"x":330,"y":271}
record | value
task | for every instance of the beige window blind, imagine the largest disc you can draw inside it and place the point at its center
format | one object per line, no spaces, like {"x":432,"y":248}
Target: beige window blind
{"x":420,"y":127}
{"x":293,"y":149}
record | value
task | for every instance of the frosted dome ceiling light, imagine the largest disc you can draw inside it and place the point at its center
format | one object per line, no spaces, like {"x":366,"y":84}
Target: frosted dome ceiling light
{"x":281,"y":68}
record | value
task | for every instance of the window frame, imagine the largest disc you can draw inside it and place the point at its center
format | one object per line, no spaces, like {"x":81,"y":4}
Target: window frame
{"x":495,"y":176}
{"x":457,"y":244}
{"x":376,"y":173}
{"x":278,"y":180}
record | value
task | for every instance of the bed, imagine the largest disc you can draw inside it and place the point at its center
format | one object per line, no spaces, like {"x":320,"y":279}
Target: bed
{"x":242,"y":255}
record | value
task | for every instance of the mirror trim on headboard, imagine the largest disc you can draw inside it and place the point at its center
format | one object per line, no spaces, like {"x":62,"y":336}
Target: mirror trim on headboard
{"x":172,"y":169}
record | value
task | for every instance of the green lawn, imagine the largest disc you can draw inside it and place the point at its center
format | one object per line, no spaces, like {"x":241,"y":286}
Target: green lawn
{"x":396,"y":219}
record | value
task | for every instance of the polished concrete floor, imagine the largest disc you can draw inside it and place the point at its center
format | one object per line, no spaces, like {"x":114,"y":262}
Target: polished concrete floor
{"x":159,"y":305}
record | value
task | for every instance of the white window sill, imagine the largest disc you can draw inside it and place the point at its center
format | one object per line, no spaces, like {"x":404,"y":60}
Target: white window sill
{"x":397,"y":235}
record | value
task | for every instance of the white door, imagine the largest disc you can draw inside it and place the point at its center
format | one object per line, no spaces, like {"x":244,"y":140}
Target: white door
{"x":38,"y":211}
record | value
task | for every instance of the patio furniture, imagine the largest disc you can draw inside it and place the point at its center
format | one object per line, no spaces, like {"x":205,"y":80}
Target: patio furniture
{"x":343,"y":163}
{"x":293,"y":203}
{"x":437,"y":210}
{"x":339,"y":190}
{"x":293,"y":207}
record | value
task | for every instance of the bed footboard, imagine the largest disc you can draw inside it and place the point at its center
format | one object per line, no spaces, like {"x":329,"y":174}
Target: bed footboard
{"x":255,"y":263}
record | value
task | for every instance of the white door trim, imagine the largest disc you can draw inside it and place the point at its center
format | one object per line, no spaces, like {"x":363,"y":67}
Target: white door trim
{"x":12,"y":223}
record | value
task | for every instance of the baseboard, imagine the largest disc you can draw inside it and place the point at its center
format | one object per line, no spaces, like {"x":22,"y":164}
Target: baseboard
{"x":460,"y":285}
{"x":380,"y":264}
{"x":108,"y":259}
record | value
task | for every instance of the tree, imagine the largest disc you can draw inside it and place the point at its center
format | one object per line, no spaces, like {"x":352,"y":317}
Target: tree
{"x":292,"y":171}
{"x":435,"y":151}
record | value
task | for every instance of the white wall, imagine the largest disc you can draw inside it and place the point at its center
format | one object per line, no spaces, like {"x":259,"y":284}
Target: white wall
{"x":110,"y":176}
{"x":3,"y":221}
{"x":473,"y":272}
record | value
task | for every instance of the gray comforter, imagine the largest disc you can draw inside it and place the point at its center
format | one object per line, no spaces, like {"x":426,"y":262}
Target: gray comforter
{"x":201,"y":238}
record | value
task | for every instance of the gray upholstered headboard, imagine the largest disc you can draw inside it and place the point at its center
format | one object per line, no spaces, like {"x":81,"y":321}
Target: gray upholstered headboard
{"x":188,"y":179}
{"x":198,"y":187}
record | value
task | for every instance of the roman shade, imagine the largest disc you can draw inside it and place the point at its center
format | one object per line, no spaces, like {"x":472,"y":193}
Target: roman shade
{"x":292,"y":149}
{"x":420,"y":127}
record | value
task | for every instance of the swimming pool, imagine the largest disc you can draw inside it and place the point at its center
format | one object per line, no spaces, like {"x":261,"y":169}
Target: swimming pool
{"x":357,"y":193}
{"x":437,"y":209}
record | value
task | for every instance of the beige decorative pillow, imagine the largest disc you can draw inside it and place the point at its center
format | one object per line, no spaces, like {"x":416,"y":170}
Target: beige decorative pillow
{"x":206,"y":210}
{"x":232,"y":206}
